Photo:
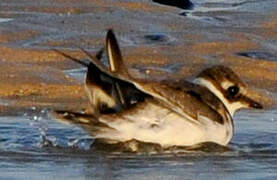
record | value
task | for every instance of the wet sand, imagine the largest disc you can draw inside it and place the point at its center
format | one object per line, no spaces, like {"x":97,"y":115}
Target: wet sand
{"x":157,"y":43}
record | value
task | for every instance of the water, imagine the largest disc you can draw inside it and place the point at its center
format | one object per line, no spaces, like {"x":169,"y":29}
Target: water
{"x":35,"y":146}
{"x":2,"y":20}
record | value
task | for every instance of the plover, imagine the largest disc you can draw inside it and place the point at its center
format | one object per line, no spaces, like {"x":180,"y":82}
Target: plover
{"x":169,"y":114}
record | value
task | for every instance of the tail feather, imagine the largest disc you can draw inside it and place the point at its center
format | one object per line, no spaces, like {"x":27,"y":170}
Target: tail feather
{"x":89,"y":122}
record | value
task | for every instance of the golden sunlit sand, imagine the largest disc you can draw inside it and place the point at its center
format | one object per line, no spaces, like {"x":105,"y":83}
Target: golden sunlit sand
{"x":27,"y":58}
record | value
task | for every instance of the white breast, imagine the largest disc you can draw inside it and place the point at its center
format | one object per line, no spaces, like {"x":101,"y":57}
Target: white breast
{"x":156,"y":124}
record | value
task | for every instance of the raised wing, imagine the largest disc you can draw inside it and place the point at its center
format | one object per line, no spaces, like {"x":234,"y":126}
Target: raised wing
{"x":183,"y":97}
{"x":106,"y":93}
{"x":187,"y":99}
{"x":114,"y":55}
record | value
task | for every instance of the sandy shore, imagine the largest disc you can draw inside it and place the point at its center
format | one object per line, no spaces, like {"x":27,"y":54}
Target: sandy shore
{"x":154,"y":39}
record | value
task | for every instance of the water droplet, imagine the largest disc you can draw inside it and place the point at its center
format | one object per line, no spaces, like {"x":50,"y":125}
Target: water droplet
{"x":33,"y":108}
{"x":73,"y":143}
{"x":84,"y":143}
{"x":35,"y":118}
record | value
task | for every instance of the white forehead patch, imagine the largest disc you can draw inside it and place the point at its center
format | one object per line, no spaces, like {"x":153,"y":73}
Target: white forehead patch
{"x":226,"y":84}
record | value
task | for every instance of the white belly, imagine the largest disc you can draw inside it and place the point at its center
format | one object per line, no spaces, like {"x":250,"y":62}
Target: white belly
{"x":155,"y":124}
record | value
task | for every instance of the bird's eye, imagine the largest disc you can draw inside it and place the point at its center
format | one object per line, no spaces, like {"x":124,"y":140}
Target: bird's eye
{"x":233,"y":90}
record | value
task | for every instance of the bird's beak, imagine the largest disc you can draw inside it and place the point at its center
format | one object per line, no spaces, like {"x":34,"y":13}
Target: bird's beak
{"x":253,"y":104}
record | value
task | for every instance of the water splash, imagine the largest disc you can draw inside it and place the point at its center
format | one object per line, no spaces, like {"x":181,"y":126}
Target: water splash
{"x":38,"y":120}
{"x":84,"y":143}
{"x":56,"y":135}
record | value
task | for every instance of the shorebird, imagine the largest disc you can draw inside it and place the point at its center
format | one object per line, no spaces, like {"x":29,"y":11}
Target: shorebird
{"x":168,"y":114}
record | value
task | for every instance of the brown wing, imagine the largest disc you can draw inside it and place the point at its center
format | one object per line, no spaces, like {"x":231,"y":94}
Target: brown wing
{"x":182,"y":97}
{"x":199,"y":92}
{"x":191,"y":99}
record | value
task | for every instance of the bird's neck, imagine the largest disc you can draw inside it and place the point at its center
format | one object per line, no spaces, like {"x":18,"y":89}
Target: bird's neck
{"x":211,"y":87}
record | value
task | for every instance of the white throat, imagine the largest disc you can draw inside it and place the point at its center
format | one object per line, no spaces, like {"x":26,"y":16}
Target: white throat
{"x":231,"y":107}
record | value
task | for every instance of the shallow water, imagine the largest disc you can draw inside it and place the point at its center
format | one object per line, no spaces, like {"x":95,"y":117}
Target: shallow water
{"x":33,"y":145}
{"x":5,"y":20}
